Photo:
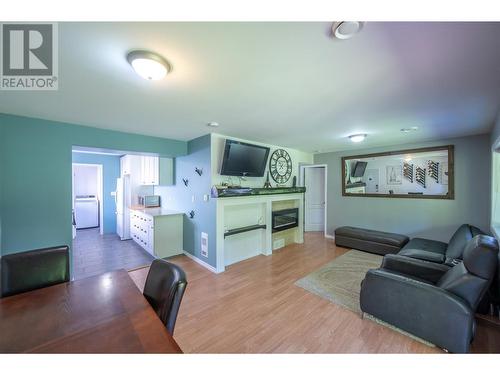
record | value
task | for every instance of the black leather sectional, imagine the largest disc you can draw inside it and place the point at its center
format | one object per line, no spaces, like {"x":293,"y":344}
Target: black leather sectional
{"x":429,"y":288}
{"x":441,"y":252}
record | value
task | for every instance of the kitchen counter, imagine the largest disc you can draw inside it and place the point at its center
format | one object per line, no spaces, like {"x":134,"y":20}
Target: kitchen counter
{"x":156,"y":211}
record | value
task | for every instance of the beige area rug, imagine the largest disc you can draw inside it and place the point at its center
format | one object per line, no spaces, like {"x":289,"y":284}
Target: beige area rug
{"x":339,"y":281}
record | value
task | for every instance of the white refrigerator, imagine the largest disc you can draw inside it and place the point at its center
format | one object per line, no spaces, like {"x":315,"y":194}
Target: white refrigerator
{"x":123,"y":201}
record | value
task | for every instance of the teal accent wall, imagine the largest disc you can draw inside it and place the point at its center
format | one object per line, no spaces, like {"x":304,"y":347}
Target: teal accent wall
{"x":35,"y":191}
{"x":430,"y":218}
{"x":110,"y":172}
{"x":179,"y":197}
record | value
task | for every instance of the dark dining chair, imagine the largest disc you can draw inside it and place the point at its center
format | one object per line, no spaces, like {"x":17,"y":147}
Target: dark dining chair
{"x":29,"y":270}
{"x":164,"y":288}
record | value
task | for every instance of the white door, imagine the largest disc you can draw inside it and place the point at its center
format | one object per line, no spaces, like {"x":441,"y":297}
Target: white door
{"x":371,"y":180}
{"x":314,"y":181}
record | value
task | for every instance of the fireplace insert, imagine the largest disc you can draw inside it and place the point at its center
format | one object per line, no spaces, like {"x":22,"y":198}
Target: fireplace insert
{"x":285,"y":219}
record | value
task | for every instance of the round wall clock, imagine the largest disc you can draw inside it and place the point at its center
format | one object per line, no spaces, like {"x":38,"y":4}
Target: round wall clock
{"x":280,"y":166}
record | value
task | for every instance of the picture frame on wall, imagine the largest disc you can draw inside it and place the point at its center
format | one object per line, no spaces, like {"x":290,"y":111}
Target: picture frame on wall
{"x":394,"y":174}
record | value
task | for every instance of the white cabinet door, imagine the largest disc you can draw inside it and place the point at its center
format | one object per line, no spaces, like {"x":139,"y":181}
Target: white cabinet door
{"x":149,"y":170}
{"x":151,"y":237}
{"x":155,"y":170}
{"x":125,"y":165}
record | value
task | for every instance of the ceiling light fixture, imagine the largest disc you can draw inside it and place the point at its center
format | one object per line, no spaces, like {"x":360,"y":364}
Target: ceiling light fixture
{"x":149,"y":65}
{"x":213,"y":124}
{"x":346,"y":29}
{"x":407,"y":130}
{"x":357,"y":137}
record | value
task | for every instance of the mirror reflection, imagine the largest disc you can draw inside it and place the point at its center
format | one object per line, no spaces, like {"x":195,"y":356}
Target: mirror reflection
{"x":416,"y":173}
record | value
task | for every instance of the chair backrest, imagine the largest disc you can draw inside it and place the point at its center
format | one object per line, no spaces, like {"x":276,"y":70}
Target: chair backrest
{"x":459,"y":240}
{"x":471,"y":278}
{"x":22,"y":272}
{"x":164,"y":288}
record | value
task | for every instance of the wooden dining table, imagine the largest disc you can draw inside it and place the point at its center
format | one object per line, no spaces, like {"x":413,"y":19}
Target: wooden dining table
{"x":100,"y":314}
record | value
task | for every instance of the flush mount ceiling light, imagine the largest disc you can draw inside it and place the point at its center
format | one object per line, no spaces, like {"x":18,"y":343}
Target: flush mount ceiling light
{"x":213,"y":124}
{"x":346,"y":29}
{"x":357,"y":138}
{"x":149,"y":65}
{"x":408,"y":130}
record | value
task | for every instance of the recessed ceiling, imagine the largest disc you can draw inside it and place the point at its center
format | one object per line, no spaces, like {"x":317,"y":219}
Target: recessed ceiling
{"x":285,"y":83}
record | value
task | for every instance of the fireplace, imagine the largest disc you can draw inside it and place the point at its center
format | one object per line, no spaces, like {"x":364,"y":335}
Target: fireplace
{"x":285,"y":219}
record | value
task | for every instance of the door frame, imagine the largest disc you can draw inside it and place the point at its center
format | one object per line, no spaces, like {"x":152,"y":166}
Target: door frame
{"x":302,"y":175}
{"x":100,"y":183}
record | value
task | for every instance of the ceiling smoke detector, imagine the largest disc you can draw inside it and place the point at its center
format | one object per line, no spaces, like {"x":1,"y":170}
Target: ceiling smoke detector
{"x":346,"y":29}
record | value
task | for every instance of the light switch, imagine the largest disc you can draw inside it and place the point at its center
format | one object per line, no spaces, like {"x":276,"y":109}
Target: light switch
{"x":192,"y":198}
{"x":205,"y":197}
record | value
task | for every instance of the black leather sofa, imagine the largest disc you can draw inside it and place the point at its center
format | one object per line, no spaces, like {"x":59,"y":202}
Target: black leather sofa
{"x":441,"y":252}
{"x":432,"y":300}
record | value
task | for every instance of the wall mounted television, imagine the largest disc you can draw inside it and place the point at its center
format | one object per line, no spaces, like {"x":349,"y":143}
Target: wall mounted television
{"x":244,"y":159}
{"x":359,"y":169}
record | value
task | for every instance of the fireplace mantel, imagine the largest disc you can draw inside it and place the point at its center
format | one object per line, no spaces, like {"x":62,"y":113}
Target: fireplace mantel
{"x":244,"y":225}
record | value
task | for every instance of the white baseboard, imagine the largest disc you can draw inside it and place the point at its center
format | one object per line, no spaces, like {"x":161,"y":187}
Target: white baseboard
{"x":200,"y":262}
{"x":329,"y":236}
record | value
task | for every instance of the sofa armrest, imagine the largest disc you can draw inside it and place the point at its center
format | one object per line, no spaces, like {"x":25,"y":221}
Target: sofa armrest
{"x":421,"y":309}
{"x":422,"y":269}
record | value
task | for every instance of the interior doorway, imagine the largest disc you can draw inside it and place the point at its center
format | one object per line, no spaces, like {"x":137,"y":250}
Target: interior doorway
{"x":100,"y":205}
{"x":87,"y":197}
{"x":315,"y":200}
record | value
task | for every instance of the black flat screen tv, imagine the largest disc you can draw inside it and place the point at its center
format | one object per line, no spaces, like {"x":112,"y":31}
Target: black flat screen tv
{"x":359,"y":169}
{"x":244,"y":159}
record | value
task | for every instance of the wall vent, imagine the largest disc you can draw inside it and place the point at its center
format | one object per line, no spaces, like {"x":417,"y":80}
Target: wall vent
{"x":204,"y":244}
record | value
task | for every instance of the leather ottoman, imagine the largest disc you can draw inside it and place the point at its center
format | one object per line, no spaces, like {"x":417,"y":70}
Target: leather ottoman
{"x":372,"y":241}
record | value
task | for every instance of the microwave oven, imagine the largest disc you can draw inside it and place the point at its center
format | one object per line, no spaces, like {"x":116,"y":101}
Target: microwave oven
{"x":149,"y":201}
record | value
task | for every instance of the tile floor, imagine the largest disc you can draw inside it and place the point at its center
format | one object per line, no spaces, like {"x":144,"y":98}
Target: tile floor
{"x":94,"y":254}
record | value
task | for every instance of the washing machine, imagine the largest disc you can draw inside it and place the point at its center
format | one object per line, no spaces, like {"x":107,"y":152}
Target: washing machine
{"x":86,"y":212}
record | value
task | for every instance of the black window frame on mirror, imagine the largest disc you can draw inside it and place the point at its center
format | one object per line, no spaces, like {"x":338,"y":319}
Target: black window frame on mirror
{"x":451,"y":173}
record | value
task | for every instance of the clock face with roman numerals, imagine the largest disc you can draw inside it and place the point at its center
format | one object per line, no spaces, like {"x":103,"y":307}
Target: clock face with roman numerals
{"x":280,"y":166}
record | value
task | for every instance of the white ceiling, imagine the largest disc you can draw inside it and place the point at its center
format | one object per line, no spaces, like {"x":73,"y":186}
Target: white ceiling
{"x":289,"y":84}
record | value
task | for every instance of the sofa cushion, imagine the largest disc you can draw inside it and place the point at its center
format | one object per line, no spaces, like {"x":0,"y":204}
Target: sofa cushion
{"x":421,"y":248}
{"x":459,"y":240}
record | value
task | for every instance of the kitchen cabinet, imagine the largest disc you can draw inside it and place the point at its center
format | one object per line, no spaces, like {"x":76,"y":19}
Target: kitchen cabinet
{"x":166,"y":171}
{"x":158,"y":231}
{"x":150,"y":173}
{"x":157,"y":171}
{"x":126,"y":165}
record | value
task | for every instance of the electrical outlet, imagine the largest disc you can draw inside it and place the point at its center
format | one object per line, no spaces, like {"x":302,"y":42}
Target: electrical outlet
{"x":204,"y":244}
{"x":205,"y":197}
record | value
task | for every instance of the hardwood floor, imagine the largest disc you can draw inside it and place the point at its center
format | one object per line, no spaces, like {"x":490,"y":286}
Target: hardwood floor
{"x":254,"y":307}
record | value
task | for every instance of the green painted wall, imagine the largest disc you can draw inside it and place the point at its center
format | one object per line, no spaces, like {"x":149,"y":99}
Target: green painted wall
{"x":429,"y":218}
{"x":35,"y":185}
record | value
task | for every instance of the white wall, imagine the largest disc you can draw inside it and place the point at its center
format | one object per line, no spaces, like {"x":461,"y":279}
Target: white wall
{"x":217,"y":149}
{"x":86,"y":180}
